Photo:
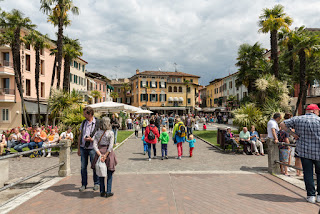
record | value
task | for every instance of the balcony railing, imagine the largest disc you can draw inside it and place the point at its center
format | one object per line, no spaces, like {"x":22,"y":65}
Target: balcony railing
{"x":4,"y":91}
{"x":313,"y":92}
{"x":5,"y":63}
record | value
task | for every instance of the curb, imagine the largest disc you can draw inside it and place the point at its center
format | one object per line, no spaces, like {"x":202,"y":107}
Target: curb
{"x":207,"y":142}
{"x":120,"y":144}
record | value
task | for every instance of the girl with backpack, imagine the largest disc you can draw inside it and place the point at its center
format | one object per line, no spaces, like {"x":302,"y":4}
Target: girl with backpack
{"x":151,"y":137}
{"x":179,"y":136}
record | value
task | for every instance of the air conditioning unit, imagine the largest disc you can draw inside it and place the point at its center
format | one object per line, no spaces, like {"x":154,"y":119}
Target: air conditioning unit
{"x":163,"y":104}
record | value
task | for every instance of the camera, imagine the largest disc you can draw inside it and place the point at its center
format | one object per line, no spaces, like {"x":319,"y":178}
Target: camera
{"x":87,"y":143}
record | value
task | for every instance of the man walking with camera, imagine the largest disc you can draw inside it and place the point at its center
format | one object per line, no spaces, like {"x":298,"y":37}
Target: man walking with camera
{"x":88,"y":129}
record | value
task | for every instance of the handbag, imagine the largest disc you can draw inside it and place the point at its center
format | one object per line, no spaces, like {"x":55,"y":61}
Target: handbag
{"x":101,"y":168}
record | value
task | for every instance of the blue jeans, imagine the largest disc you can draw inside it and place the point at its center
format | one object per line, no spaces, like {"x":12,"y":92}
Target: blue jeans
{"x":307,"y":165}
{"x":12,"y":144}
{"x":164,"y":150}
{"x":189,"y":131}
{"x":154,"y":149}
{"x":109,"y":182}
{"x":20,"y":146}
{"x":115,"y":132}
{"x":85,"y":153}
{"x":145,"y":147}
{"x":32,"y":145}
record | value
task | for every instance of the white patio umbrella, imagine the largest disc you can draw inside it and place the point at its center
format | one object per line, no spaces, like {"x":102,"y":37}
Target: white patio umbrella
{"x":144,"y":112}
{"x":108,"y":106}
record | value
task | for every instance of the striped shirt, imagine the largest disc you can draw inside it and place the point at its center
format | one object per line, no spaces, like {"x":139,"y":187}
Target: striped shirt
{"x":308,"y":128}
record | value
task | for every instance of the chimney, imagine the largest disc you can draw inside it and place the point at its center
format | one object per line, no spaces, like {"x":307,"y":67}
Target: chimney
{"x":137,"y":71}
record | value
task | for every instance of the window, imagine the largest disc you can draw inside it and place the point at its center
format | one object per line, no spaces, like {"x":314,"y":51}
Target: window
{"x":5,"y":114}
{"x":162,"y":84}
{"x":79,"y":80}
{"x":143,"y":84}
{"x":75,"y":78}
{"x":119,"y":100}
{"x":128,"y":100}
{"x":28,"y":46}
{"x":28,"y":87}
{"x":42,"y":93}
{"x":42,"y":67}
{"x":144,"y":97}
{"x":175,"y":89}
{"x":83,"y":68}
{"x":28,"y":62}
{"x":191,"y":80}
{"x":180,"y":89}
{"x":162,"y":97}
{"x":104,"y":88}
{"x":6,"y":59}
{"x":173,"y":79}
{"x":96,"y":86}
{"x":230,"y":85}
{"x":244,"y":94}
{"x":41,"y":52}
{"x":188,"y":90}
{"x":6,"y":83}
{"x":178,"y":79}
{"x":237,"y":88}
{"x":153,"y":97}
{"x":137,"y":84}
{"x":119,"y":90}
{"x":74,"y":64}
{"x":153,"y":84}
{"x":170,"y":89}
{"x":100,"y":87}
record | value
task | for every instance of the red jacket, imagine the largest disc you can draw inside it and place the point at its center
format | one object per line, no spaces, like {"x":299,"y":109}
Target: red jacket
{"x":155,"y":132}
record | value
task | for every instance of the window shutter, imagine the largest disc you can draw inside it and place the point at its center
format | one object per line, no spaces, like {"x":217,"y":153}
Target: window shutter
{"x":150,"y":97}
{"x":150,"y":84}
{"x":141,"y":97}
{"x":156,"y":84}
{"x":165,"y":84}
{"x":121,"y":100}
{"x":165,"y":97}
{"x":140,"y":84}
{"x":147,"y":97}
{"x":147,"y":83}
{"x":156,"y":97}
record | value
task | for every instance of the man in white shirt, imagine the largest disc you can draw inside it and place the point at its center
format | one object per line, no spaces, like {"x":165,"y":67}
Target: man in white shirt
{"x":13,"y":140}
{"x":67,"y":135}
{"x":273,"y":127}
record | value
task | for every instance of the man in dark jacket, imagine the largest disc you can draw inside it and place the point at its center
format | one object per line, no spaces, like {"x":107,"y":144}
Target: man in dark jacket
{"x":115,"y":126}
{"x":157,"y":122}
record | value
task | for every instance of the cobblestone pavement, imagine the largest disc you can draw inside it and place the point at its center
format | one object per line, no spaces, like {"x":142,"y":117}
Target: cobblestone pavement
{"x":209,"y":182}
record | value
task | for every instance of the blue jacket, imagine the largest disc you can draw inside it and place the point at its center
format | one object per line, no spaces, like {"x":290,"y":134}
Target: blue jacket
{"x":191,"y":143}
{"x":144,"y":142}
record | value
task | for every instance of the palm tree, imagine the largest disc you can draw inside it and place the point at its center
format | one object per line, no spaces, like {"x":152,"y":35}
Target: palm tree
{"x":187,"y":83}
{"x":13,"y":23}
{"x":71,"y":49}
{"x":305,"y":45}
{"x":96,"y":94}
{"x":39,"y":42}
{"x":125,"y":87}
{"x":114,"y":95}
{"x":59,"y":9}
{"x":272,"y":20}
{"x":251,"y":63}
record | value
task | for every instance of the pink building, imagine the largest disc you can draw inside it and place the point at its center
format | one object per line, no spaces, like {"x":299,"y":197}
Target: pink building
{"x":10,"y":101}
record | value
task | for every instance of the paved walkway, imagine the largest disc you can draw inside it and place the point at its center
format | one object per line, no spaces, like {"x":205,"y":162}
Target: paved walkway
{"x":209,"y":182}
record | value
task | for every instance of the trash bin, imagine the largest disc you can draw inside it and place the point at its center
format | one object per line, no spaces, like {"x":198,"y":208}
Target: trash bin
{"x":220,"y":137}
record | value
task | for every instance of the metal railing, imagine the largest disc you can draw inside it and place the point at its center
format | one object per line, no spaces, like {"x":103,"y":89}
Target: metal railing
{"x":5,"y":63}
{"x":4,"y":91}
{"x":64,"y":163}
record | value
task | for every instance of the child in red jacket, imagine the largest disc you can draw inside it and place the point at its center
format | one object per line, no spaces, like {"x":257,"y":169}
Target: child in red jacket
{"x":204,"y":127}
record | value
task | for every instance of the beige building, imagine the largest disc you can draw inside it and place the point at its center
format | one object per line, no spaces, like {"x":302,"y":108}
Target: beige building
{"x":78,"y":75}
{"x":10,"y":101}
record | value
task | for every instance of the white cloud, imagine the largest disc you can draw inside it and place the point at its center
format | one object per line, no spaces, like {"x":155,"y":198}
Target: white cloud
{"x":201,"y":36}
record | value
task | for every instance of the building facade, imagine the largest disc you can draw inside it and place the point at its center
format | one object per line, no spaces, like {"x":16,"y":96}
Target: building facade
{"x":98,"y":84}
{"x":78,"y":75}
{"x":124,"y":96}
{"x":165,"y":92}
{"x":10,"y":100}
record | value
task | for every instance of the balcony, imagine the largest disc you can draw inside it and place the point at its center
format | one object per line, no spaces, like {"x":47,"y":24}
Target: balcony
{"x":6,"y":68}
{"x":7,"y":95}
{"x":314,"y":92}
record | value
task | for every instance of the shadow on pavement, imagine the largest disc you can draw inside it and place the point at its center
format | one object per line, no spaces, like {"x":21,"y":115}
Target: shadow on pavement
{"x":273,"y":197}
{"x":71,"y":190}
{"x":254,"y":169}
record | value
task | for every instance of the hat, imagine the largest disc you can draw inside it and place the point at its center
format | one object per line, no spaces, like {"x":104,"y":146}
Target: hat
{"x":312,"y":107}
{"x":228,"y":128}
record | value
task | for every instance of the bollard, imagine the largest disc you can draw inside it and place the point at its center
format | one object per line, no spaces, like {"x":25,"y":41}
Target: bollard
{"x":4,"y":172}
{"x":65,"y":156}
{"x":273,"y":155}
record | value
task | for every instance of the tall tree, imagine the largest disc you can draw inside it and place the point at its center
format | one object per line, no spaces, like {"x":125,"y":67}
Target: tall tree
{"x":252,"y":64}
{"x":114,"y":95}
{"x":39,"y":42}
{"x":59,"y":9}
{"x":71,"y":50}
{"x":13,"y":23}
{"x":272,"y":20}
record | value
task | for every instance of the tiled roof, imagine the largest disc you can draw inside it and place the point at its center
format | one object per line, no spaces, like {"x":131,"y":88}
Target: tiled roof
{"x":166,"y":73}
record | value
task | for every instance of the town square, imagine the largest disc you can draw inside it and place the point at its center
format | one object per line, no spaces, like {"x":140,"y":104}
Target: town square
{"x":159,"y":106}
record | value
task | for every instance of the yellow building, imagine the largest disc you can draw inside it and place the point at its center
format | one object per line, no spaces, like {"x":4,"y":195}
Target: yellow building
{"x":214,"y":93}
{"x":165,"y":92}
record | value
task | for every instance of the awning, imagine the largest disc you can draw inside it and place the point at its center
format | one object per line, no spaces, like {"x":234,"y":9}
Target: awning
{"x":175,"y":99}
{"x":110,"y":87}
{"x":209,"y":109}
{"x":32,"y":108}
{"x":181,"y":99}
{"x":170,"y":99}
{"x":167,"y":108}
{"x":198,"y":108}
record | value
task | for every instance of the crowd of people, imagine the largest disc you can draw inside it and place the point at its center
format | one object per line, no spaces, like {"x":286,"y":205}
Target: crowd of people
{"x":37,"y":138}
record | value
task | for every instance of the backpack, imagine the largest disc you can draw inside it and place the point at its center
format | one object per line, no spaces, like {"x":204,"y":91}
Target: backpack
{"x":151,"y":135}
{"x":170,"y":120}
{"x":181,"y":130}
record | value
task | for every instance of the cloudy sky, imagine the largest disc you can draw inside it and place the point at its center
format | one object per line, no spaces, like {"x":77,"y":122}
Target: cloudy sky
{"x":201,"y":36}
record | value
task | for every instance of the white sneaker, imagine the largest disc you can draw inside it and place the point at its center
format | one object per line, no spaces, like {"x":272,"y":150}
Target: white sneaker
{"x":49,"y":155}
{"x":318,"y":198}
{"x":149,"y":159}
{"x":180,"y":158}
{"x":311,"y":199}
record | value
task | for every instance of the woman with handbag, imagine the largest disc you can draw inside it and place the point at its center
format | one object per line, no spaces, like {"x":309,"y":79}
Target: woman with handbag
{"x":103,"y":145}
